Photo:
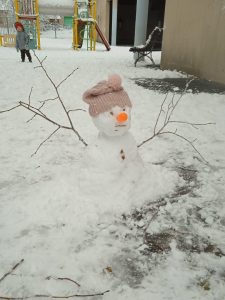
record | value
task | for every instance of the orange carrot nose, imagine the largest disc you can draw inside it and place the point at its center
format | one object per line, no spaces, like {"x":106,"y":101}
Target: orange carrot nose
{"x":122,"y":117}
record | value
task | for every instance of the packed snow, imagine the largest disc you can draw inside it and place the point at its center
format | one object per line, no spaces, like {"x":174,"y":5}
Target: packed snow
{"x":153,"y":229}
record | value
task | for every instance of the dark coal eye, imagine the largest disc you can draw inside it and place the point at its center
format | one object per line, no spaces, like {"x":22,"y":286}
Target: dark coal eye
{"x":111,"y":113}
{"x":124,"y":109}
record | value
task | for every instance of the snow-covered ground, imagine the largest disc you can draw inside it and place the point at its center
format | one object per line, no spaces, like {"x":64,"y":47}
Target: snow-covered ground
{"x":163,"y":238}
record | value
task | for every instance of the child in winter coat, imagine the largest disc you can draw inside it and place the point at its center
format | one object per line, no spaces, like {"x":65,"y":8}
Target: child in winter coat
{"x":22,"y":40}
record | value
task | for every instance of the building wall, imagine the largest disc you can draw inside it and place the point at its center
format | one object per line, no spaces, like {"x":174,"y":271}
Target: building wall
{"x":103,"y":17}
{"x":194,"y":38}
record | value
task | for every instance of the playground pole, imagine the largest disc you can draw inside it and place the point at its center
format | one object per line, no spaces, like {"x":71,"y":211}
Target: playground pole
{"x":88,"y":22}
{"x":16,"y":9}
{"x":38,"y":26}
{"x":75,"y":26}
{"x":94,"y":14}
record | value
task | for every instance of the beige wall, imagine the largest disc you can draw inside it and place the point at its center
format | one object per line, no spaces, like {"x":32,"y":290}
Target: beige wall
{"x":194,"y":38}
{"x":103,"y":17}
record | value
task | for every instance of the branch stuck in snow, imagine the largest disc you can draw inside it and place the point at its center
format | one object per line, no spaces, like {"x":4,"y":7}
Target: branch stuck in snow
{"x":38,"y":112}
{"x":166,"y":120}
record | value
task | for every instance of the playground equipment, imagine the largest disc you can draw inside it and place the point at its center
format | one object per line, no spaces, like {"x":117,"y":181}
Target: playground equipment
{"x":85,"y":27}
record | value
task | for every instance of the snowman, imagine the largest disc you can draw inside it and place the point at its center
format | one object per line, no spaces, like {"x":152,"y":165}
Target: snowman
{"x":111,"y":164}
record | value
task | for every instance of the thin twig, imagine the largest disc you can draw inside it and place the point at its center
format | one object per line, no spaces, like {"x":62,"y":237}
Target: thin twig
{"x":161,"y":110}
{"x":78,"y":109}
{"x":67,"y":77}
{"x":14,"y":107}
{"x":192,"y":124}
{"x":179,"y":99}
{"x":170,"y":105}
{"x":13,"y":268}
{"x":32,"y":108}
{"x":150,"y":221}
{"x":63,"y":278}
{"x":188,"y":141}
{"x":50,"y":99}
{"x":41,"y":114}
{"x":147,"y":140}
{"x":45,"y":140}
{"x":39,"y":109}
{"x":54,"y":297}
{"x":29,"y":97}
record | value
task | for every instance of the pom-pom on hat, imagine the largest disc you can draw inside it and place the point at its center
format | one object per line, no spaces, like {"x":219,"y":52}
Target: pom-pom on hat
{"x":105,"y":95}
{"x":18,"y":24}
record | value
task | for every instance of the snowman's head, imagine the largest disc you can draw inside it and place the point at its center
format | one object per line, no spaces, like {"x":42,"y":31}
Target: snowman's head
{"x":114,"y":122}
{"x":109,"y":106}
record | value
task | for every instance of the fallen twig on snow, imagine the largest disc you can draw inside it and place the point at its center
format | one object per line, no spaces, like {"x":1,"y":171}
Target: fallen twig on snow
{"x":171,"y":106}
{"x":63,"y":278}
{"x":48,"y":296}
{"x":13,"y":268}
{"x":54,"y":297}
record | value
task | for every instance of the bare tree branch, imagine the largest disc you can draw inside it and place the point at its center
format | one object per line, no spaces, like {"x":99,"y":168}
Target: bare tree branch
{"x":38,"y":112}
{"x":171,"y":106}
{"x":58,"y":95}
{"x":13,"y":268}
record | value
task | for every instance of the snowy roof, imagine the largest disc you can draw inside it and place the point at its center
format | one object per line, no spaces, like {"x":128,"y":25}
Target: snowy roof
{"x":56,"y":3}
{"x":59,"y":3}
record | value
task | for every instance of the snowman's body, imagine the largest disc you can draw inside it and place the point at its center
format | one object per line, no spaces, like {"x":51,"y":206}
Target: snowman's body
{"x":113,"y":135}
{"x":112,"y":164}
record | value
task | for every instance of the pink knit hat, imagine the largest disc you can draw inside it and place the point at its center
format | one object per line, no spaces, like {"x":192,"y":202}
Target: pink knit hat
{"x":105,"y":95}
